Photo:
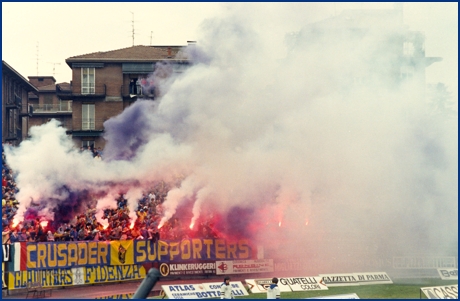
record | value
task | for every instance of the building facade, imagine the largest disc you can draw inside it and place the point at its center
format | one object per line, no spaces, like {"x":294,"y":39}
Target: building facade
{"x":372,"y":46}
{"x":105,"y":83}
{"x":46,"y":104}
{"x":15,"y":105}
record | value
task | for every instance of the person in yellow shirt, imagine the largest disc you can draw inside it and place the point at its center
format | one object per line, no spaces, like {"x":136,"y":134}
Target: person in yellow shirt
{"x":141,"y":214}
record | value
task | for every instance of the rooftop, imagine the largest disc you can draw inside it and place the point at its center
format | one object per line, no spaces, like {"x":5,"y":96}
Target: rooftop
{"x":138,"y":53}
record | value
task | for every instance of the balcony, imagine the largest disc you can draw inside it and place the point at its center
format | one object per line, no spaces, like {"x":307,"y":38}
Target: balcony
{"x":137,"y":92}
{"x":88,"y":128}
{"x":63,"y":107}
{"x":13,"y":102}
{"x":83,"y":91}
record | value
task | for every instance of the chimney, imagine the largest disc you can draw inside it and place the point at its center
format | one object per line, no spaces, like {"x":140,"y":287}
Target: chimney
{"x":169,"y":52}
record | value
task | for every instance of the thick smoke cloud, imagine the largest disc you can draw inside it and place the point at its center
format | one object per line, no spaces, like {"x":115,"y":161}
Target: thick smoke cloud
{"x":302,"y":154}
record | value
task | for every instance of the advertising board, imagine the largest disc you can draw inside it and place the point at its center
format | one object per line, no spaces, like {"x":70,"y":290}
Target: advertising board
{"x":441,"y":292}
{"x":186,"y":291}
{"x":340,"y":279}
{"x":261,"y":285}
{"x":373,"y":278}
{"x":238,"y":288}
{"x":299,"y":284}
{"x":448,"y":274}
{"x":202,"y":268}
{"x":244,"y":266}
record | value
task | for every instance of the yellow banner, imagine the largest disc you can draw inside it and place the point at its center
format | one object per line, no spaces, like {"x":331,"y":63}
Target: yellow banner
{"x":121,"y":252}
{"x":76,"y":276}
{"x":61,"y":255}
{"x":66,"y":254}
{"x":119,"y":296}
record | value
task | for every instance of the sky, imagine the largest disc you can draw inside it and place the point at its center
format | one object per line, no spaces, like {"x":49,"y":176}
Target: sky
{"x":57,"y":34}
{"x":344,"y":169}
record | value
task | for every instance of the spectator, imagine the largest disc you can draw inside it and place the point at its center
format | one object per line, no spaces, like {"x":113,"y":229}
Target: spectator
{"x":14,"y":237}
{"x":73,"y":234}
{"x":6,"y":235}
{"x":50,"y":236}
{"x":5,"y":221}
{"x":23,"y":235}
{"x":273,"y":291}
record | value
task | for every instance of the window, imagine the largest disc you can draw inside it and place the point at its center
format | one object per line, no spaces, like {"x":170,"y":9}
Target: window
{"x":88,"y":120}
{"x":12,"y":123}
{"x":87,"y":80}
{"x":87,"y":143}
{"x":48,"y":102}
{"x":406,"y":72}
{"x":408,"y":49}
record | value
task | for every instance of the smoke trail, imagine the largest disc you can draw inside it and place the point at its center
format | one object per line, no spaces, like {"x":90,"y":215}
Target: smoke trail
{"x":326,"y":147}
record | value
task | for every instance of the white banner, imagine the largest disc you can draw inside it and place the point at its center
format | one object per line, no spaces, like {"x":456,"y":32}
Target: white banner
{"x":304,"y":283}
{"x":3,"y":276}
{"x":6,"y":253}
{"x":77,"y":276}
{"x":261,"y":285}
{"x":448,"y":274}
{"x":339,"y":279}
{"x":185,"y":291}
{"x":213,"y":288}
{"x":441,"y":292}
{"x":373,"y":278}
{"x":244,"y":266}
{"x":344,"y":296}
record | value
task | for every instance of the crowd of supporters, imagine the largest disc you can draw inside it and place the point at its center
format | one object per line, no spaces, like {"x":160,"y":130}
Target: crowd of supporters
{"x":115,"y":224}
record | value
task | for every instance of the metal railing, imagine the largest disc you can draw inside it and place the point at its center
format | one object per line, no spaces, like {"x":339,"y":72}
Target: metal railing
{"x":65,"y":106}
{"x":92,"y":89}
{"x":127,"y":90}
{"x":88,"y":124}
{"x":14,"y":100}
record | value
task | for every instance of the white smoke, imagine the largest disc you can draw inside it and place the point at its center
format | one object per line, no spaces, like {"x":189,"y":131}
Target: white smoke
{"x":319,"y":142}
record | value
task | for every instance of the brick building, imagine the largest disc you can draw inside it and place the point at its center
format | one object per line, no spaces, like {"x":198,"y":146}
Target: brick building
{"x":15,"y":106}
{"x":105,"y":83}
{"x":46,"y":104}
